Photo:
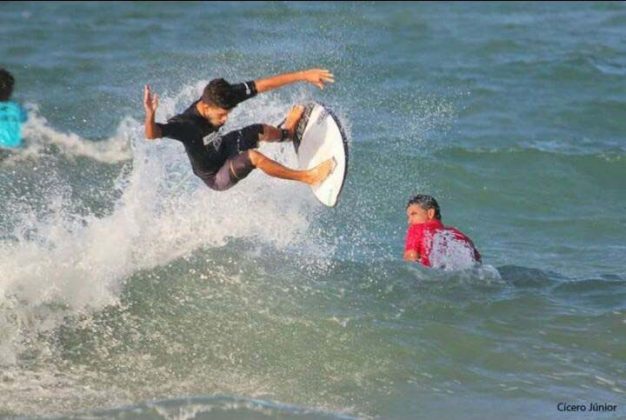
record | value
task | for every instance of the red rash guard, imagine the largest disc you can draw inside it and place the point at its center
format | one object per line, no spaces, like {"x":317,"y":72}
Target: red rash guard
{"x":419,"y":238}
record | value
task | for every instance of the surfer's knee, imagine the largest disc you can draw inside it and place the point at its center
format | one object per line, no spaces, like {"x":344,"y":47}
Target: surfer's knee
{"x":254,"y":131}
{"x":271,"y":133}
{"x":257,"y":158}
{"x":267,"y":132}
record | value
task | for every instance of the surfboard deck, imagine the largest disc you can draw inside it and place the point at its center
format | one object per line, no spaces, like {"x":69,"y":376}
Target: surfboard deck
{"x":320,"y":136}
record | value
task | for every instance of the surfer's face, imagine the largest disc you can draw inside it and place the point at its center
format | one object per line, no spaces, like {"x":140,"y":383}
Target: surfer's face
{"x":416,"y":215}
{"x":217,"y":116}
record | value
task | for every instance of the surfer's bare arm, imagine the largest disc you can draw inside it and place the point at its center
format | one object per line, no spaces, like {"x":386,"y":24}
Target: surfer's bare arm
{"x":150,"y":104}
{"x":411,"y":256}
{"x":317,"y":77}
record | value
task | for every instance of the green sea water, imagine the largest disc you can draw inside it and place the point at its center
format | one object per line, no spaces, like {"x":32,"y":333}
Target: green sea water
{"x":130,"y":290}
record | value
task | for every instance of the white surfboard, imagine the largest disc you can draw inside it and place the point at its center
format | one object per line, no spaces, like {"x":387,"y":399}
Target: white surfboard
{"x":319,"y":136}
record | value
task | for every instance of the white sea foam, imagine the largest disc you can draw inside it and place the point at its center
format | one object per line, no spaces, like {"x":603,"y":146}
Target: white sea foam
{"x":80,"y":262}
{"x":38,"y":135}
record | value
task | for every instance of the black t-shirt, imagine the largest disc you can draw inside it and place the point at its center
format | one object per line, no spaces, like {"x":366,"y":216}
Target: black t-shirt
{"x":201,"y":139}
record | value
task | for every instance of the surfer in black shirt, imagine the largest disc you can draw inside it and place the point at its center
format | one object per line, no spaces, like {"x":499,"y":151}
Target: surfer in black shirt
{"x":222,"y":160}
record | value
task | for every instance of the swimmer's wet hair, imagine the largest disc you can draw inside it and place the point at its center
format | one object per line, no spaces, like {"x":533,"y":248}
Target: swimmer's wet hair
{"x":426,"y":202}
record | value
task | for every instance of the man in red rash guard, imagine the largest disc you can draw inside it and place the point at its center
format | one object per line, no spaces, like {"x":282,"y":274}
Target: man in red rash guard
{"x":429,"y":241}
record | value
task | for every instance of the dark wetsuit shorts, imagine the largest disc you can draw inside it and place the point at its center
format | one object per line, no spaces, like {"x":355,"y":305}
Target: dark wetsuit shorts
{"x":237,"y":164}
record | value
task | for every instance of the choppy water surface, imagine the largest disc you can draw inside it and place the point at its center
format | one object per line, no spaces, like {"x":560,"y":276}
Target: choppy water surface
{"x":129,"y":290}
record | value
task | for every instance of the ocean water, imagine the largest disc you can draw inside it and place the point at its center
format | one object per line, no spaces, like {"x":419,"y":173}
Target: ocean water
{"x":130,"y":290}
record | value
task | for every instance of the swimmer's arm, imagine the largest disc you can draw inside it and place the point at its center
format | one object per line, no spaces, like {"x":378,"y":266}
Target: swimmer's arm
{"x":316,"y":77}
{"x":150,"y":104}
{"x":411,"y":256}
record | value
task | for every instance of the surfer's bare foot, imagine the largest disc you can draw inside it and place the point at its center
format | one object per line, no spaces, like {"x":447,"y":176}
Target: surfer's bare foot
{"x":320,"y":172}
{"x":292,"y":120}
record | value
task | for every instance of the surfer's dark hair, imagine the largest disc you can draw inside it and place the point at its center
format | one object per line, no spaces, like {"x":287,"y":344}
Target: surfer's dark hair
{"x":6,"y":85}
{"x":426,"y":202}
{"x":219,"y":93}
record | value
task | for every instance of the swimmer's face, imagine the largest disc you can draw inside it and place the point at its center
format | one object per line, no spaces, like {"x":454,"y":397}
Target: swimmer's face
{"x":416,"y":215}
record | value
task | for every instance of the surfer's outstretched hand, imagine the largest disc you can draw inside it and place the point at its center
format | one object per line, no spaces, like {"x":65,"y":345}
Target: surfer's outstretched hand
{"x":318,"y":77}
{"x":150,"y":100}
